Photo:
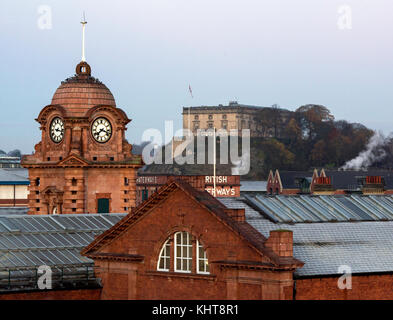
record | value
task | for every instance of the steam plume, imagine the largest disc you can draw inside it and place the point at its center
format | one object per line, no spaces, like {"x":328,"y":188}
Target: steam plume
{"x":374,"y":152}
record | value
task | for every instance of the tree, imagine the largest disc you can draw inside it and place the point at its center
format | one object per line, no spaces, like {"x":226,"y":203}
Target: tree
{"x":15,"y":153}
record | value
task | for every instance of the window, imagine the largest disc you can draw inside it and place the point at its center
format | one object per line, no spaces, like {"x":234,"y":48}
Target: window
{"x":210,"y":117}
{"x":37,"y":181}
{"x":103,"y":205}
{"x":165,"y":256}
{"x":202,"y":263}
{"x":224,"y":116}
{"x":183,"y":252}
{"x":126,"y":181}
{"x":183,"y":255}
{"x":196,"y":117}
{"x":145,"y":194}
{"x":73,"y":182}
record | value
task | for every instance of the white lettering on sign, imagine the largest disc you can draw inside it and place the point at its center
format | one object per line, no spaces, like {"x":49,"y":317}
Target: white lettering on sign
{"x":146,"y":180}
{"x":219,"y":179}
{"x":222,"y":192}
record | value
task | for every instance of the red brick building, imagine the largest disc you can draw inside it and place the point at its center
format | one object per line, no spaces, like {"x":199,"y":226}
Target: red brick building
{"x":330,"y":182}
{"x":83,"y":163}
{"x":182,"y":243}
{"x":226,"y":185}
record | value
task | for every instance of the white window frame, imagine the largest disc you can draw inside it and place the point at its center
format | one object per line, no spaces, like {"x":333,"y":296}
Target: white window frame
{"x":198,"y":258}
{"x":182,"y":257}
{"x":161,"y":256}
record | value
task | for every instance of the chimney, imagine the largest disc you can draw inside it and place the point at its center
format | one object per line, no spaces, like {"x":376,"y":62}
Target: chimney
{"x":322,"y":185}
{"x":281,"y":242}
{"x":373,"y":185}
{"x":236,"y":214}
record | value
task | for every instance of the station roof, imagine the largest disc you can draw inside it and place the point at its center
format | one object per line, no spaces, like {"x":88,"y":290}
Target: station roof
{"x":28,"y":242}
{"x":322,"y":208}
{"x":324,"y":246}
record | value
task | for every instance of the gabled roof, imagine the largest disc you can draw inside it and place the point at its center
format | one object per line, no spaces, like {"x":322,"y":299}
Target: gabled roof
{"x":243,"y":229}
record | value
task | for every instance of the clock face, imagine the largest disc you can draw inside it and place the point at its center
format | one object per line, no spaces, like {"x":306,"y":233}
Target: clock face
{"x":101,"y":130}
{"x":57,"y":130}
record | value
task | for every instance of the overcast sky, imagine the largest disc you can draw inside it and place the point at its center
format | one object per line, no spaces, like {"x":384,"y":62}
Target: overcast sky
{"x":147,"y":52}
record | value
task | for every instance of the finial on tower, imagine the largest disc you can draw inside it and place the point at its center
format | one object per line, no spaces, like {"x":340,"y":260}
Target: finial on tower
{"x":83,"y":22}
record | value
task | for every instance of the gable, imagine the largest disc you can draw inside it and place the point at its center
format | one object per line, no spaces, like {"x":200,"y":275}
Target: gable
{"x":178,"y":205}
{"x":73,"y":161}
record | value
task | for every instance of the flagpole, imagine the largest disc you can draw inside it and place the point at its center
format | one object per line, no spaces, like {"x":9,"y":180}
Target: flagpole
{"x":214,"y":161}
{"x":84,"y":22}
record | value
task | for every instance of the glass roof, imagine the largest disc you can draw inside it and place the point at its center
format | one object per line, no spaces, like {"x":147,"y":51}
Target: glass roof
{"x":321,"y":208}
{"x":31,"y":241}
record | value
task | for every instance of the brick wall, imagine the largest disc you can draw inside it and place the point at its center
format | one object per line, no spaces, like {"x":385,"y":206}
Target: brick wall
{"x":82,"y":294}
{"x":372,"y":287}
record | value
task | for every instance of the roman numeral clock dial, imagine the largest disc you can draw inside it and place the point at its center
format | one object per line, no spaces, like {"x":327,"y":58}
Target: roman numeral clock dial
{"x":101,"y":130}
{"x":57,"y":130}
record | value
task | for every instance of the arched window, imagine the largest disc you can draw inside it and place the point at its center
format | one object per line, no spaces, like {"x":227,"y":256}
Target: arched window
{"x":202,"y":262}
{"x":165,"y":255}
{"x":183,"y":255}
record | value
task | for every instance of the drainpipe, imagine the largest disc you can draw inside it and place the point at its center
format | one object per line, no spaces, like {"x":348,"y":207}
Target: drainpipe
{"x":294,"y":290}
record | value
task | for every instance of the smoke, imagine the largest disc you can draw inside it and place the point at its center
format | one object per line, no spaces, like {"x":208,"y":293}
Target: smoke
{"x":374,"y":152}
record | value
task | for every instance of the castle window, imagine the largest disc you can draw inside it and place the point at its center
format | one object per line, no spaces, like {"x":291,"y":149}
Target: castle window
{"x":126,"y":181}
{"x":73,"y":192}
{"x":210,"y":117}
{"x":73,"y":209}
{"x":183,"y":255}
{"x":224,"y":116}
{"x":196,"y":117}
{"x":60,"y":158}
{"x":165,"y":256}
{"x":48,"y":158}
{"x":37,"y":181}
{"x":73,"y":201}
{"x":37,"y":192}
{"x":73,"y":182}
{"x":94,"y":158}
{"x":112,"y":159}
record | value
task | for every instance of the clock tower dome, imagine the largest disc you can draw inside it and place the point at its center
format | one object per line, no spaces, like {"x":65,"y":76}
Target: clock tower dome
{"x":83,"y":163}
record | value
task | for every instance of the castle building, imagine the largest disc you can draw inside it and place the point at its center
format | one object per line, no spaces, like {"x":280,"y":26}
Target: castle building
{"x":234,"y":116}
{"x":83,"y":163}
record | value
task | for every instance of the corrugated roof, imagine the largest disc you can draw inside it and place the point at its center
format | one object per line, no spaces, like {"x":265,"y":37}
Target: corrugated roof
{"x":319,"y":208}
{"x":30,"y":241}
{"x":364,"y":246}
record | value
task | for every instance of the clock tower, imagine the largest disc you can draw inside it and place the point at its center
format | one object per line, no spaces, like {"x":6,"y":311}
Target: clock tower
{"x":83,"y":163}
